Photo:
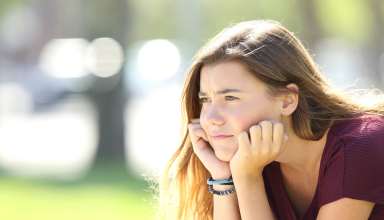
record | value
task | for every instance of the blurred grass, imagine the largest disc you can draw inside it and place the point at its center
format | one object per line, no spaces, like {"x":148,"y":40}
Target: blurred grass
{"x":104,"y":194}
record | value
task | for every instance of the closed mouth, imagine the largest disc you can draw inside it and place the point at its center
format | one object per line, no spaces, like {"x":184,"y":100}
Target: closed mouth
{"x":220,"y":137}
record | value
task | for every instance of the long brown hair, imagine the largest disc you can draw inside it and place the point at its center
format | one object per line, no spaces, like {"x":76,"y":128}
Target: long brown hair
{"x":276,"y":57}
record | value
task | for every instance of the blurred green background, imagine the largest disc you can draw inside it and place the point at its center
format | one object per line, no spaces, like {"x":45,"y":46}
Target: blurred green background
{"x":90,"y":90}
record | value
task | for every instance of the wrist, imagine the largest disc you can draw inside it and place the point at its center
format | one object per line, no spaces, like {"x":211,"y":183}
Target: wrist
{"x":248,"y":178}
{"x":220,"y":175}
{"x":222,"y":187}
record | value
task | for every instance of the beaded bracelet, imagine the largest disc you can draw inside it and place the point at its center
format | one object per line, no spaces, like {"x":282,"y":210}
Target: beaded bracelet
{"x":220,"y":193}
{"x":212,"y":181}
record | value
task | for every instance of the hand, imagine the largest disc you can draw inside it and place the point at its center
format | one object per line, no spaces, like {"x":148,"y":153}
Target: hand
{"x":218,"y":169}
{"x":254,"y":153}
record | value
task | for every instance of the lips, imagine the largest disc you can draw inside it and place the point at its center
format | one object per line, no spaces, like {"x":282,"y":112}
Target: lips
{"x":220,"y":136}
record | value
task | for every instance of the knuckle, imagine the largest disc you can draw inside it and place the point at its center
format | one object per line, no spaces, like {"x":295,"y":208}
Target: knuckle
{"x":195,"y":120}
{"x":243,"y":135}
{"x":196,"y":127}
{"x":266,"y":123}
{"x":254,"y":128}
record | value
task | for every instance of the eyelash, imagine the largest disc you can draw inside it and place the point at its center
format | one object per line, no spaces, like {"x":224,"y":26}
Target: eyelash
{"x":204,"y":99}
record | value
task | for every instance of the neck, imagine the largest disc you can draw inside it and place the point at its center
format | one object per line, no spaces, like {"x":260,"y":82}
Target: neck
{"x":300,"y":155}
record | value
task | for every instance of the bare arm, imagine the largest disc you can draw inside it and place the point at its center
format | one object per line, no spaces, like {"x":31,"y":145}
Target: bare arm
{"x":225,"y":207}
{"x":256,"y":150}
{"x":252,"y":199}
{"x":346,"y":208}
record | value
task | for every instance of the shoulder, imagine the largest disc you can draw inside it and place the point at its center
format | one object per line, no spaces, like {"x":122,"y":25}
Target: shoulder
{"x":357,"y":145}
{"x":354,"y":159}
{"x":365,"y":131}
{"x":359,"y":126}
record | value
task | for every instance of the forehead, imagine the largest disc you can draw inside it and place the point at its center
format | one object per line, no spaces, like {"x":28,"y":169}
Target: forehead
{"x":228,"y":74}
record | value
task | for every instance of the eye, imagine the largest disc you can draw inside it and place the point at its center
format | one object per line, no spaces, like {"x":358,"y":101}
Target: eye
{"x":230,"y":98}
{"x":203,"y":99}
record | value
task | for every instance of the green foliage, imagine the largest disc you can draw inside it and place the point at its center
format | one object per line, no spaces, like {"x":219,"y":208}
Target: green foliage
{"x":154,"y":19}
{"x":349,"y":19}
{"x":218,"y":14}
{"x":6,"y":5}
{"x":160,"y":18}
{"x":44,"y":200}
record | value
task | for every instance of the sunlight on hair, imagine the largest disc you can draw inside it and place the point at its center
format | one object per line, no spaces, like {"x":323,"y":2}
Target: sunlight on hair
{"x":367,"y":97}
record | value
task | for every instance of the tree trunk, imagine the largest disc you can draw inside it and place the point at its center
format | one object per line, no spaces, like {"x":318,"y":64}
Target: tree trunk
{"x":312,"y":29}
{"x":375,"y":47}
{"x":109,"y":19}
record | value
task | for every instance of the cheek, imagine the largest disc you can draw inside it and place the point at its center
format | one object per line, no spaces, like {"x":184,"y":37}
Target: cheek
{"x":242,"y":119}
{"x":254,"y":112}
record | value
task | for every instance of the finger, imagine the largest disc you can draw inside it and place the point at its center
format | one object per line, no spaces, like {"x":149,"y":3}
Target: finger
{"x":192,"y":125}
{"x":191,"y":133}
{"x":206,"y":156}
{"x":243,"y":141}
{"x":266,"y":136}
{"x":196,"y":132}
{"x":195,"y":120}
{"x":201,"y":148}
{"x":278,"y":137}
{"x":266,"y":130}
{"x":255,"y":134}
{"x":199,"y":132}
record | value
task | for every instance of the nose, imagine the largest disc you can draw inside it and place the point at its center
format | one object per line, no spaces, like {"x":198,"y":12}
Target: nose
{"x":212,"y":116}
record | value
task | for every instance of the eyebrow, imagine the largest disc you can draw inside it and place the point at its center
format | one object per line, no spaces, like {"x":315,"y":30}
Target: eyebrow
{"x":224,"y":91}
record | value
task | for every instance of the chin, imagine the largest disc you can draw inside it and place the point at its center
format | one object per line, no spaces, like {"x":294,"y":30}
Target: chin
{"x":224,"y":158}
{"x":224,"y":155}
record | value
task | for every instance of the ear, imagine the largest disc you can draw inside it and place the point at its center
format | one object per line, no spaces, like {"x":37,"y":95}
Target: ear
{"x":290,"y":99}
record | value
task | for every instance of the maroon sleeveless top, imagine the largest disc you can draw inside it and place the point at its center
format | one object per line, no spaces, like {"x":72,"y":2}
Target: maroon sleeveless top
{"x":352,"y":165}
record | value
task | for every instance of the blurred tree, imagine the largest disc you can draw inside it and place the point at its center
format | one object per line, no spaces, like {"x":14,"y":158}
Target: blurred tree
{"x":109,"y":19}
{"x":312,"y":29}
{"x":89,"y":19}
{"x":375,"y":45}
{"x":5,"y":5}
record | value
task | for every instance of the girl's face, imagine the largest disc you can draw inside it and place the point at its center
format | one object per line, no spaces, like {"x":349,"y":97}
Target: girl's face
{"x":232,"y":101}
